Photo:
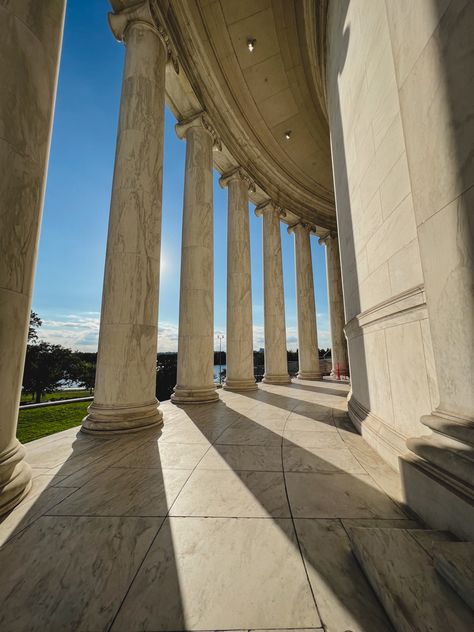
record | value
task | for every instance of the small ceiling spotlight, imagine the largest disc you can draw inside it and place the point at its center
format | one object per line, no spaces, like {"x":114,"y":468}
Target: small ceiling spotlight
{"x":251,"y":44}
{"x":288,"y":134}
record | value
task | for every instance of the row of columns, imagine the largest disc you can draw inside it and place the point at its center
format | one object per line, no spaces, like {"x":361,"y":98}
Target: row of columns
{"x":125,"y":390}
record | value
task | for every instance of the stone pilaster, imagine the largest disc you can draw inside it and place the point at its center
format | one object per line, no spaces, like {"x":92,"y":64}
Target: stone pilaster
{"x":195,"y":383}
{"x":125,"y":390}
{"x":30,"y":44}
{"x":308,"y":354}
{"x":240,"y":375}
{"x":336,"y":305}
{"x":276,"y":363}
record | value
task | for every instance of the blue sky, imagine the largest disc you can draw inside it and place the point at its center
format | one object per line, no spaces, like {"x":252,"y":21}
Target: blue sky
{"x":72,"y":246}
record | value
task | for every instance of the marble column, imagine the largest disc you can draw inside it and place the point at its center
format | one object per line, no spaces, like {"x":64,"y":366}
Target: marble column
{"x":276,"y":362}
{"x":336,"y":305}
{"x":240,"y":375}
{"x":125,"y":389}
{"x":30,"y":45}
{"x":308,"y":354}
{"x":195,"y":380}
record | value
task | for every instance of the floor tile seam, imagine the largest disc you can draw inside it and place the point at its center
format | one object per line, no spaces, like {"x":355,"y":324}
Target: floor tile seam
{"x":103,"y":516}
{"x":295,"y":531}
{"x":16,"y":532}
{"x":228,"y":517}
{"x":362,"y":465}
{"x":397,"y":503}
{"x":139,"y":566}
{"x":168,"y":516}
{"x":94,"y":461}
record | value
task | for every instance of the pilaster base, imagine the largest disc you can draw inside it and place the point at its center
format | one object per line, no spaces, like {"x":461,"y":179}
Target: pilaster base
{"x":240,"y":385}
{"x":310,"y":375}
{"x":15,"y":477}
{"x":439,"y":498}
{"x":203,"y":395}
{"x":276,"y":379}
{"x":107,"y":420}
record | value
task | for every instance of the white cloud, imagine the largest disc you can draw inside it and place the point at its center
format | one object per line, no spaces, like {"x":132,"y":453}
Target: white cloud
{"x":81,"y":332}
{"x":75,"y":331}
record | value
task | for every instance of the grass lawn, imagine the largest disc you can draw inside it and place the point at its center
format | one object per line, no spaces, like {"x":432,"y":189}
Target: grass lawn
{"x":40,"y":422}
{"x":57,"y":395}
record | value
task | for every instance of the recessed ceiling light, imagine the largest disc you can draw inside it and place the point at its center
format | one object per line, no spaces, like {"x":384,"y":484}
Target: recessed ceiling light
{"x":251,"y":44}
{"x":288,"y":134}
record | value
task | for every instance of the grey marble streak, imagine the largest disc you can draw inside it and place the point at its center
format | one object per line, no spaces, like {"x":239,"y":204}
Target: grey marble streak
{"x":223,"y":493}
{"x":30,"y":41}
{"x":63,"y":590}
{"x":338,"y":495}
{"x":276,"y":368}
{"x":406,"y":582}
{"x":130,"y":492}
{"x":336,"y":306}
{"x":242,"y":457}
{"x":239,"y":288}
{"x":333,"y":570}
{"x":196,"y":305}
{"x":308,"y":355}
{"x":125,"y":384}
{"x":212,"y":549}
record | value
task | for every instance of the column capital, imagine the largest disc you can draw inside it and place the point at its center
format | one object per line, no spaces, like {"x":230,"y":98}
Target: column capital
{"x":237,"y":174}
{"x":147,"y":15}
{"x":304,"y":226}
{"x":269,"y":207}
{"x":198,"y":120}
{"x":327,"y":237}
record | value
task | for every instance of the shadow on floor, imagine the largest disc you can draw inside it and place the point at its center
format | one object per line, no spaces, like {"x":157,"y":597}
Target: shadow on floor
{"x":128,"y":571}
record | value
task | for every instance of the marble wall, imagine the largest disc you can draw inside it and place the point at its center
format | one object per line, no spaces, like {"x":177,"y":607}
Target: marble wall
{"x":391,"y":358}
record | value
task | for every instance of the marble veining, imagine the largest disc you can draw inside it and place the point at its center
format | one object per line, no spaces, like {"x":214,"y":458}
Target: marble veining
{"x":212,"y":492}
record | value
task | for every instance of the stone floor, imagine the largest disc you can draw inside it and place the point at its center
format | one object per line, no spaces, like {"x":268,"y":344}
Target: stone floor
{"x":232,"y":517}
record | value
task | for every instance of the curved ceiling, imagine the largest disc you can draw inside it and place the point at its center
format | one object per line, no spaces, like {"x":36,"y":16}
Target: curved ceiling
{"x":254,"y":98}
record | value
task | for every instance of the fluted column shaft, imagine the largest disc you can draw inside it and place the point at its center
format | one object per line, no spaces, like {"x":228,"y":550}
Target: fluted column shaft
{"x":276,"y":362}
{"x":125,"y":389}
{"x":240,"y":375}
{"x":308,"y":354}
{"x":336,"y":306}
{"x":30,"y":44}
{"x":195,"y":383}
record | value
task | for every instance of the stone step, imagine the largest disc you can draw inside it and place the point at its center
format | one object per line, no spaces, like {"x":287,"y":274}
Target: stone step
{"x":399,"y":565}
{"x":454,"y":561}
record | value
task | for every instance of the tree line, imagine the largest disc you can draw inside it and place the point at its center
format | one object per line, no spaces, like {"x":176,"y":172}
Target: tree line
{"x":49,"y":367}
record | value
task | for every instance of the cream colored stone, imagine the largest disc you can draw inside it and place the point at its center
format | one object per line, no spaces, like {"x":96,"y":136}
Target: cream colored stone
{"x":263,"y":588}
{"x":124,"y":396}
{"x":408,"y":379}
{"x":30,"y":45}
{"x":340,"y":361}
{"x":239,"y":349}
{"x":196,"y":305}
{"x":308,"y":354}
{"x":276,"y":366}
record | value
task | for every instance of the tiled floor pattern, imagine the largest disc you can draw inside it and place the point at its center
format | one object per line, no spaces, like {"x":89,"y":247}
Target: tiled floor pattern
{"x":233,"y":516}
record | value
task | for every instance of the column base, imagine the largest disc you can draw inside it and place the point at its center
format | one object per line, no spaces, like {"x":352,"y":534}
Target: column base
{"x":276,"y":379}
{"x":240,"y":385}
{"x":309,"y":375}
{"x":106,"y":420}
{"x":202,"y":395}
{"x":15,"y":477}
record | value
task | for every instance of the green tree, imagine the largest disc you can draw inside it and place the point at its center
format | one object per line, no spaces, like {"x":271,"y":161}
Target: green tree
{"x":47,"y":367}
{"x":35,"y":324}
{"x":82,"y":372}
